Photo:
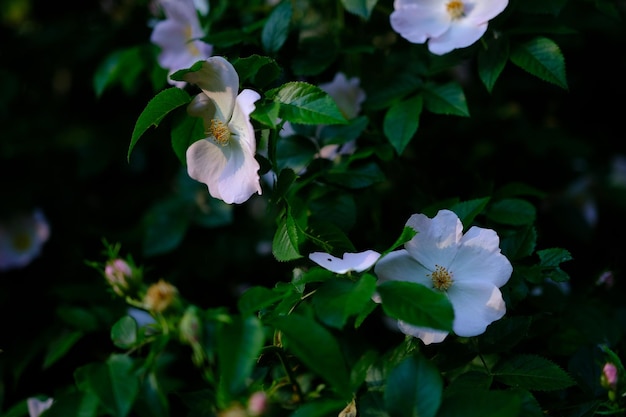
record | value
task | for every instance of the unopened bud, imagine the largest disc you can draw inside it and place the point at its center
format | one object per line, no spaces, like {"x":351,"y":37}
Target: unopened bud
{"x":190,"y":328}
{"x":257,"y":404}
{"x":609,"y":376}
{"x":160,"y":296}
{"x":118,"y":274}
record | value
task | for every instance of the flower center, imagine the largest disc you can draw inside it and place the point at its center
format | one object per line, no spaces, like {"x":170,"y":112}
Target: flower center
{"x":191,"y":45}
{"x":22,"y":241}
{"x":442,"y":278}
{"x":456,"y":9}
{"x":220,"y":132}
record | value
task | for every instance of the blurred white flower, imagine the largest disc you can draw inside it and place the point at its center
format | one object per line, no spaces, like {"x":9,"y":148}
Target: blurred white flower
{"x":142,"y":317}
{"x":350,"y":262}
{"x":178,"y":37}
{"x":21,"y":239}
{"x":445,"y":24}
{"x":469,"y":268}
{"x":37,"y":406}
{"x":224,"y":160}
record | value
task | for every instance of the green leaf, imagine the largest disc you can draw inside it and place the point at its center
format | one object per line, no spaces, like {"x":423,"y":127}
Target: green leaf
{"x":468,"y":210}
{"x":152,"y":400}
{"x":72,"y":404}
{"x":156,"y":109}
{"x":260,"y":69}
{"x":285,"y":243}
{"x":531,"y":372}
{"x":518,"y":244}
{"x":504,"y":334}
{"x":59,"y":346}
{"x":416,"y":305}
{"x":553,"y":257}
{"x":124,"y":332}
{"x":480,"y":403}
{"x":185,"y":131}
{"x":238,"y":346}
{"x":408,"y":233}
{"x":78,"y":317}
{"x":337,"y":300}
{"x":512,"y":211}
{"x":414,"y":388}
{"x":317,"y":349}
{"x":257,"y":298}
{"x":542,"y":58}
{"x":329,"y":237}
{"x":305,"y":103}
{"x":319,"y":408}
{"x":446,"y":99}
{"x":276,"y":28}
{"x":122,"y":66}
{"x":166,"y":224}
{"x":492,"y":60}
{"x":401,"y":122}
{"x":361,"y":8}
{"x":314,"y":55}
{"x":357,"y":176}
{"x":114,"y":383}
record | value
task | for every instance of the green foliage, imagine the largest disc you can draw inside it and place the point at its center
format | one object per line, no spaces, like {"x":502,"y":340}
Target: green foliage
{"x":542,"y":58}
{"x":531,"y":372}
{"x":276,"y":28}
{"x":304,"y":103}
{"x":401,"y":122}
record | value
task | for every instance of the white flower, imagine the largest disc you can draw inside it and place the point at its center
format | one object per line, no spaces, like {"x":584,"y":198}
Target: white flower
{"x":351,"y":261}
{"x":469,"y":268}
{"x":36,"y":406}
{"x":446,"y":24}
{"x":224,"y":160}
{"x":347,"y":93}
{"x":21,"y":239}
{"x":178,"y":37}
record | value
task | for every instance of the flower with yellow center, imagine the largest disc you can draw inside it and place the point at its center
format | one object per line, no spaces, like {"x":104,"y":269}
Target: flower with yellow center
{"x":21,"y":239}
{"x":178,"y":36}
{"x":469,"y":268}
{"x":224,"y":159}
{"x":445,"y":24}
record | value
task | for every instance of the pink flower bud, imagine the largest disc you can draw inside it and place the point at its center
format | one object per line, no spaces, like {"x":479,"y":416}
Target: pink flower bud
{"x":609,"y":376}
{"x":257,"y":404}
{"x":118,"y":273}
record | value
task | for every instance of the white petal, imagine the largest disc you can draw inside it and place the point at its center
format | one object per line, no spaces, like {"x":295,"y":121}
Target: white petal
{"x":202,"y":106}
{"x":480,"y":237}
{"x":351,"y":261}
{"x":485,"y":10}
{"x":219,"y":81}
{"x":205,"y":163}
{"x":240,"y":178}
{"x":36,"y":406}
{"x":437,"y":239}
{"x":418,"y":21}
{"x":475,"y":264}
{"x":476,"y":305}
{"x":425,"y":334}
{"x":401,"y":266}
{"x":240,"y":122}
{"x":460,"y":35}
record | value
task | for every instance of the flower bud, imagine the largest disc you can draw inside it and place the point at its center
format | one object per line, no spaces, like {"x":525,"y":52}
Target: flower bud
{"x":159,"y":296}
{"x":257,"y":404}
{"x":609,"y":376}
{"x":118,"y":274}
{"x":190,"y":328}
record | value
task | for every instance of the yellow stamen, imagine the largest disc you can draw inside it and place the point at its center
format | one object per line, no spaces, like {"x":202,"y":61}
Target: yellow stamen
{"x":190,"y":43}
{"x":22,"y":241}
{"x":219,"y":131}
{"x":442,"y":278}
{"x":456,"y":9}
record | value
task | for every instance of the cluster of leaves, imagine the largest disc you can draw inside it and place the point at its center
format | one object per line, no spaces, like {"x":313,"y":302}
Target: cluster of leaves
{"x":314,"y":342}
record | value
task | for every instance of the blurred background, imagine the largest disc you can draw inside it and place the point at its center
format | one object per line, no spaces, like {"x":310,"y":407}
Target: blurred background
{"x":63,"y":165}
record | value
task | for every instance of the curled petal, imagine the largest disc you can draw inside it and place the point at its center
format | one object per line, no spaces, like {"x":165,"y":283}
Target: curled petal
{"x":240,"y":123}
{"x":202,"y":106}
{"x":220,"y":82}
{"x":485,"y":10}
{"x":350,"y":262}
